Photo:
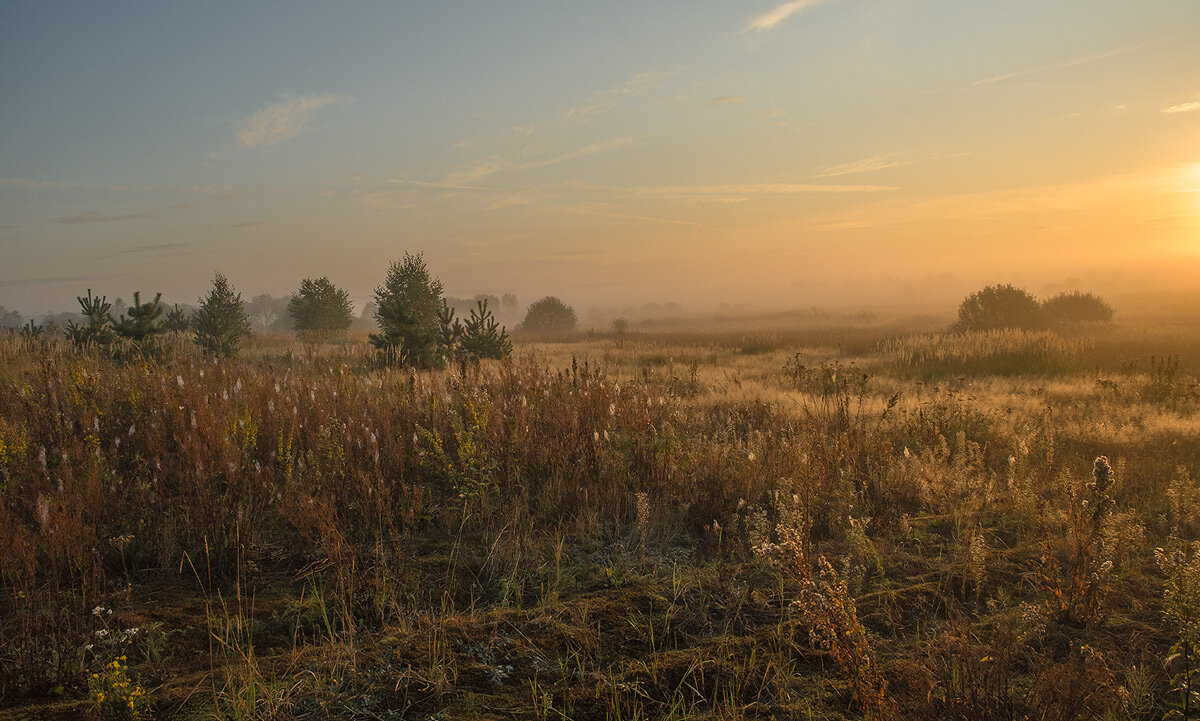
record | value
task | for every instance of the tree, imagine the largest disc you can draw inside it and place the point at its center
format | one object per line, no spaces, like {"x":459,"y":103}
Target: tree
{"x":549,"y":315}
{"x":366,"y":320}
{"x":142,"y":323}
{"x":220,"y":324}
{"x":508,"y":303}
{"x":264,"y":310}
{"x":97,"y":327}
{"x":1000,"y":306}
{"x":1076,"y":307}
{"x":10,"y":319}
{"x":409,"y":301}
{"x":321,"y":306}
{"x":178,"y":319}
{"x":482,"y":336}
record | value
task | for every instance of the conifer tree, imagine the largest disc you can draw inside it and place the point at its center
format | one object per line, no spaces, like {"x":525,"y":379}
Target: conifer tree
{"x":220,"y":325}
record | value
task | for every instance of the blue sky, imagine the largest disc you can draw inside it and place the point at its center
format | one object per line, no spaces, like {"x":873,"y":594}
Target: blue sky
{"x":609,"y":153}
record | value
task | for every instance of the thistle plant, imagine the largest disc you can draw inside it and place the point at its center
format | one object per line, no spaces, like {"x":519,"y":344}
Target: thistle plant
{"x":1074,"y":595}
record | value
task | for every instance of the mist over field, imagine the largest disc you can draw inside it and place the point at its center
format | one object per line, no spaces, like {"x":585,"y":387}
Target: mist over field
{"x":820,"y":359}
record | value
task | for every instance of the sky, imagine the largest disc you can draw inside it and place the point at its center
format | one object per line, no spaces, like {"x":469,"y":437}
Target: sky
{"x":612,"y":154}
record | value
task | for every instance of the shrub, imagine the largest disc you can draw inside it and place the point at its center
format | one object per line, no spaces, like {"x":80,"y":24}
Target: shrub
{"x":220,"y":325}
{"x":1077,"y":307}
{"x":549,"y":315}
{"x":409,"y":313}
{"x":1000,"y":306}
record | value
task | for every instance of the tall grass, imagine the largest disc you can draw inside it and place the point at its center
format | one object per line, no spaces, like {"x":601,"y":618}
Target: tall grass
{"x":555,"y":536}
{"x":999,"y":352}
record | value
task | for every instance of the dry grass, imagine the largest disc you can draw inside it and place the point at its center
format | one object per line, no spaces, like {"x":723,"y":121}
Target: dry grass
{"x":580,"y":532}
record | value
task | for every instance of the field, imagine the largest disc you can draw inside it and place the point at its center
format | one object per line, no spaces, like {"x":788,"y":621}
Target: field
{"x":804,"y":516}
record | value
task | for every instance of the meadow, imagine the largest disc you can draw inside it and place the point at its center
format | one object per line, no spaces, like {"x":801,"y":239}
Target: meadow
{"x":802,"y":516}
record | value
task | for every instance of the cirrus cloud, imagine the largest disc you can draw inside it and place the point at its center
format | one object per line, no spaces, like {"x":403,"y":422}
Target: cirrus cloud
{"x":774,"y":17}
{"x":1183,"y":107}
{"x":283,"y":119}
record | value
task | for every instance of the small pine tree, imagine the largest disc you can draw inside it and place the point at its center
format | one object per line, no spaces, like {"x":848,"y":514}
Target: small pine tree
{"x":97,"y":326}
{"x":220,"y":324}
{"x":452,"y":330}
{"x":482,"y":336}
{"x":178,"y":320}
{"x":141,"y":322}
{"x":409,"y":313}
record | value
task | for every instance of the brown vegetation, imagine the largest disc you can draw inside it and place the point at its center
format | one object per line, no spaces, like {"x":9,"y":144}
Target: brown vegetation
{"x":668,"y":526}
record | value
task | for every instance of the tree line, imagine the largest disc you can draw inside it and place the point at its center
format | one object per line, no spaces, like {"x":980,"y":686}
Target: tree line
{"x":417,"y":324}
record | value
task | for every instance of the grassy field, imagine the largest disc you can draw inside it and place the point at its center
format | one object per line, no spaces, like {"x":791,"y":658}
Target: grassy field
{"x":805,"y":517}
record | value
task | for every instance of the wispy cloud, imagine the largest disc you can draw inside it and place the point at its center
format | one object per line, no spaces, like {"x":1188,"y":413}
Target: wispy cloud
{"x":281,"y":120}
{"x":95,"y":216}
{"x":866,"y":165}
{"x":21,"y":282}
{"x":151,"y":249}
{"x":1183,"y":107}
{"x":775,"y":17}
{"x":758,"y":189}
{"x":498,"y":164}
{"x":1075,"y":62}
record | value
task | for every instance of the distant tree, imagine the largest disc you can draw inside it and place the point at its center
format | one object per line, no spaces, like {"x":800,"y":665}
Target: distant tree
{"x":1076,"y":307}
{"x":482,"y":336}
{"x":1000,"y":306}
{"x":220,"y":325}
{"x":178,"y":319}
{"x":549,"y":315}
{"x":264,"y":310}
{"x":142,"y":321}
{"x":508,"y":303}
{"x":620,"y":326}
{"x":321,"y":306}
{"x":410,"y":301}
{"x":97,"y":322}
{"x":366,"y":320}
{"x":10,"y":319}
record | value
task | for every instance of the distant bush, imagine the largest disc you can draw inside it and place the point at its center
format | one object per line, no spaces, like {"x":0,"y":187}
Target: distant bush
{"x":1076,"y":307}
{"x":997,"y":307}
{"x":549,"y":315}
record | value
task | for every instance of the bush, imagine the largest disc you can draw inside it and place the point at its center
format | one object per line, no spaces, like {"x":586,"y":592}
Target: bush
{"x":320,"y":305}
{"x":997,"y":307}
{"x":549,"y":315}
{"x":1076,"y":307}
{"x":409,"y":313}
{"x":220,"y":325}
